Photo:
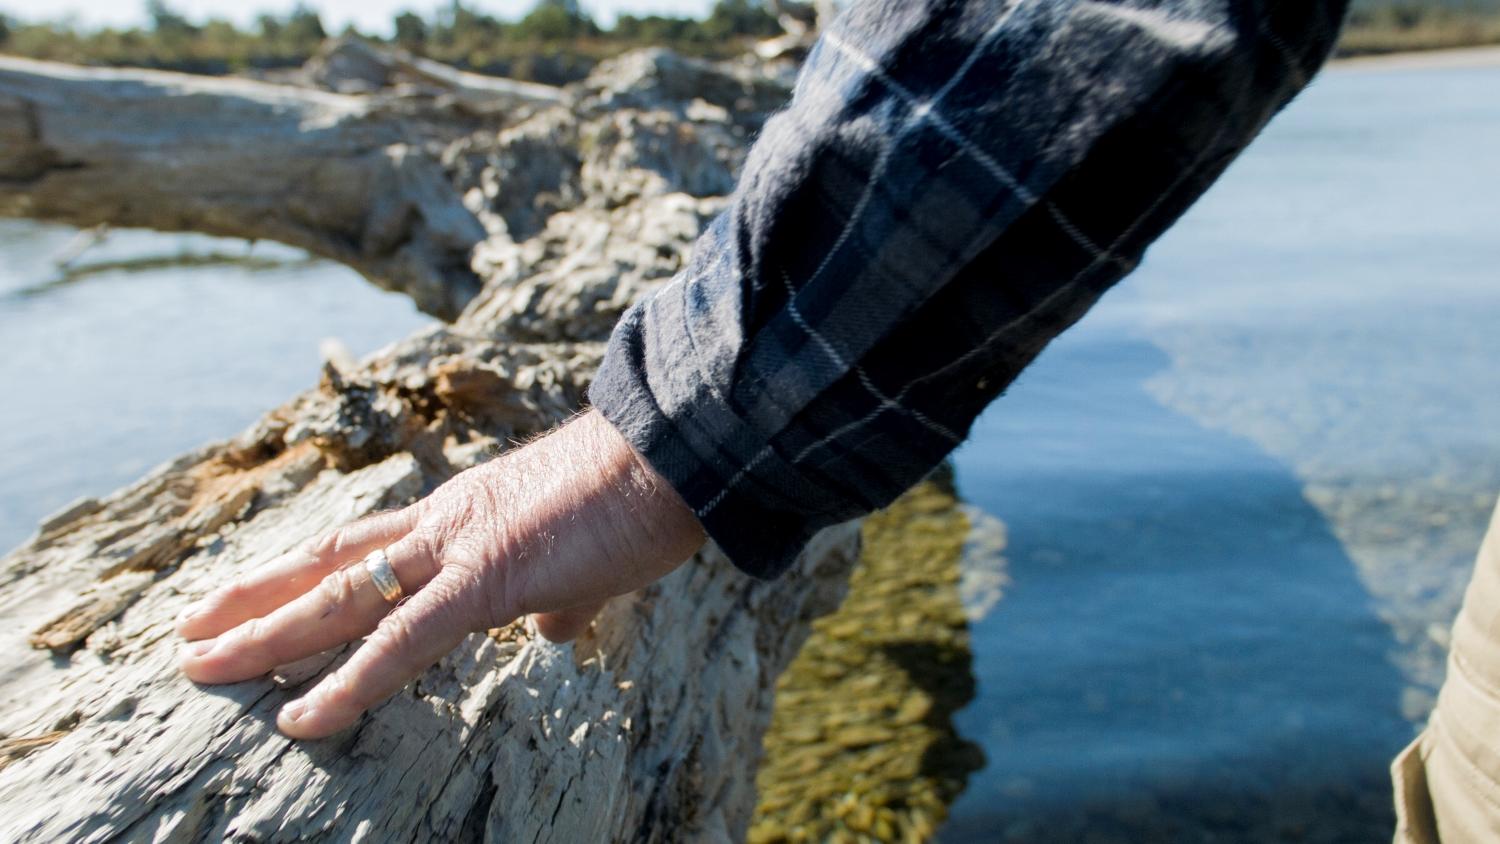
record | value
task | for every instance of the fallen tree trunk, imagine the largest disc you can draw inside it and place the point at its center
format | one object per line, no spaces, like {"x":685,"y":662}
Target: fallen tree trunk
{"x":350,"y":178}
{"x":647,"y":728}
{"x":355,"y":65}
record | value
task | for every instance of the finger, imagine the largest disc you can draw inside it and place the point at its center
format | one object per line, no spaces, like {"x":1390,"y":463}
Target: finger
{"x":565,"y":625}
{"x":413,"y":637}
{"x":344,"y":606}
{"x":258,"y":592}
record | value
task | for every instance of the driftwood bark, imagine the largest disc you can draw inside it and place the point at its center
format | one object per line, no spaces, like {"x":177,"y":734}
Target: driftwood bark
{"x":351,"y":65}
{"x":646,"y":728}
{"x":349,"y":178}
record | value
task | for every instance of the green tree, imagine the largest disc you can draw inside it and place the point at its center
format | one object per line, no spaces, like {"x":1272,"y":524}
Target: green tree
{"x":655,"y":29}
{"x":740,"y":19}
{"x":303,"y":26}
{"x":556,"y":20}
{"x":411,"y":31}
{"x":166,"y":21}
{"x":269,"y":27}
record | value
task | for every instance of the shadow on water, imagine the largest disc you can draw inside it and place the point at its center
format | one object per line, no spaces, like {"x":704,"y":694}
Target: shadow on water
{"x":944,"y":673}
{"x":862,"y":744}
{"x":69,"y":274}
{"x":1185,"y":652}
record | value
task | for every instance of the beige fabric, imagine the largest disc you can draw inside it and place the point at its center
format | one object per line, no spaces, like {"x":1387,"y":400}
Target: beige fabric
{"x":1447,"y":782}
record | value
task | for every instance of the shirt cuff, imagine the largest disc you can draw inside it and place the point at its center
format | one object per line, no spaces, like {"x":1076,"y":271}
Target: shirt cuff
{"x":751,"y":502}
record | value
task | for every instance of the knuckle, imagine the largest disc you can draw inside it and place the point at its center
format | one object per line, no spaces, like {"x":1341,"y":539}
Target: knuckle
{"x":395,"y":634}
{"x":393,"y":638}
{"x":236,"y":589}
{"x":309,"y":546}
{"x":335,"y":592}
{"x":256,"y":639}
{"x":429,"y":548}
{"x":427,"y":539}
{"x":334,"y":544}
{"x":320,"y":546}
{"x":467,"y":547}
{"x":336,"y":693}
{"x":488,"y":594}
{"x":461,"y":595}
{"x":254,"y":632}
{"x":465,"y":597}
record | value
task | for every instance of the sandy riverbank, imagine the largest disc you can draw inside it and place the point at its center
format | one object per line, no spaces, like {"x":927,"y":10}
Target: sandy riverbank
{"x":1424,"y":60}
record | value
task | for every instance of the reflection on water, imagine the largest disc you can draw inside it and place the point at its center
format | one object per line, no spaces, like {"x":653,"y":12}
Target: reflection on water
{"x":74,"y":273}
{"x":862,"y":744}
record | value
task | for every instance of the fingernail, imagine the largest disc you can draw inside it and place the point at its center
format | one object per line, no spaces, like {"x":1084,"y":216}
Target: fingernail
{"x":292,"y":711}
{"x":201,"y":648}
{"x":187,"y":614}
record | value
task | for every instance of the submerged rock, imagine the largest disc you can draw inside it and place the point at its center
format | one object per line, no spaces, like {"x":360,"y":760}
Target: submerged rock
{"x":862,"y":744}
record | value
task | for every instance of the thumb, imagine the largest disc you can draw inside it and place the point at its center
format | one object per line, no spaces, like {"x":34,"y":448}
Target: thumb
{"x":565,"y":625}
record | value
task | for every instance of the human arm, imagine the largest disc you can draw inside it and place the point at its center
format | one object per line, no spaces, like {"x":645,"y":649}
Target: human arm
{"x":901,"y":245}
{"x":953,"y":185}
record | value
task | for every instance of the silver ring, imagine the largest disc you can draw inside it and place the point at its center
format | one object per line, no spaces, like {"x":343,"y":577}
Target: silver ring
{"x":383,"y":576}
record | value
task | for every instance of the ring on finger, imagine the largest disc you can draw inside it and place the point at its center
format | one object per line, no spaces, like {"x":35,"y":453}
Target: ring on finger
{"x":383,"y":576}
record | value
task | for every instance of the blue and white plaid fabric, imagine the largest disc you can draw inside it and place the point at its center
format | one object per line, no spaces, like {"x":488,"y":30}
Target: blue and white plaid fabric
{"x":952,"y":185}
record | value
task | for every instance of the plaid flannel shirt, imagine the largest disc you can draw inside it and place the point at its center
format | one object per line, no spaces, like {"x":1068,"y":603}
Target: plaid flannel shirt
{"x":952,"y":185}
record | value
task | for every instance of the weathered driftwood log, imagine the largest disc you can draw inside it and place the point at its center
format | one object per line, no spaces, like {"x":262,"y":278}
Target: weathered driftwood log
{"x":353,"y":65}
{"x":648,"y":727}
{"x":354,"y":179}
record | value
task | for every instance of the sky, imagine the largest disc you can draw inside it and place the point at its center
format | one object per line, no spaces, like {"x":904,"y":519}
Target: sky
{"x":371,"y":16}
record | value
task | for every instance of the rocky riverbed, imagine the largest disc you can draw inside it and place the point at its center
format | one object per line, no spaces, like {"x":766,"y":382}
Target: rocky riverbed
{"x":862,"y":745}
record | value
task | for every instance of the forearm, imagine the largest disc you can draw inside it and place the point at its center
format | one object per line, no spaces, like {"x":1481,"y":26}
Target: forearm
{"x":953,"y":185}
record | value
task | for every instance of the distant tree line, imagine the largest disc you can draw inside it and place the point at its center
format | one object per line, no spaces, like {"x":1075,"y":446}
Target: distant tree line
{"x":1384,"y":26}
{"x":556,"y":42}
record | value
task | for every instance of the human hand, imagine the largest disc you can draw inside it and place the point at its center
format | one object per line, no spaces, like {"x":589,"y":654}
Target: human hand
{"x":553,"y":528}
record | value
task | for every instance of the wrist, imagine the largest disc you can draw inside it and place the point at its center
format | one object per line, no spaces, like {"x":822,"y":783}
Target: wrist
{"x":653,"y":529}
{"x":616,"y":525}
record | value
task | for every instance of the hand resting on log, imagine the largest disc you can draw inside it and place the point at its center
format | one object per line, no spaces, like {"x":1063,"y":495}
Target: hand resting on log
{"x":553,"y":529}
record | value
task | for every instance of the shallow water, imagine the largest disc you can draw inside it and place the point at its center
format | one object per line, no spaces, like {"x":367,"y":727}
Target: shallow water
{"x":151,"y":351}
{"x":1241,"y":497}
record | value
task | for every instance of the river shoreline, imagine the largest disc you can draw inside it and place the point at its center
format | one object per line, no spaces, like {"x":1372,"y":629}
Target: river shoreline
{"x":1448,"y":57}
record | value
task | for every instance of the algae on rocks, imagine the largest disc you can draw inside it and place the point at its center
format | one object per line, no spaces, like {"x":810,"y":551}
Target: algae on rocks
{"x":862,"y":745}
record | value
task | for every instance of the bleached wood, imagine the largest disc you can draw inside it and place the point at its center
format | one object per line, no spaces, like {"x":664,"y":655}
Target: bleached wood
{"x":351,"y":178}
{"x":647,"y":728}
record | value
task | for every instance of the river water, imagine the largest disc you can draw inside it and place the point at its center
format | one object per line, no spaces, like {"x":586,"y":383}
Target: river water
{"x":153,"y":344}
{"x":1240,"y":498}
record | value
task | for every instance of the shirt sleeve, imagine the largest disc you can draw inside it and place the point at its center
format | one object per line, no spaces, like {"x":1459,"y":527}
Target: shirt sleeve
{"x":952,"y":185}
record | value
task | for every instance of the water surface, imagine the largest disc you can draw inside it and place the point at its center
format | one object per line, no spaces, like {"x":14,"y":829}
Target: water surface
{"x":151,"y":344}
{"x":1243,"y":495}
